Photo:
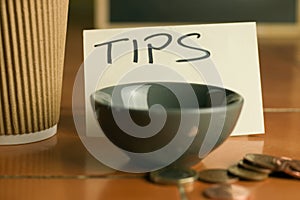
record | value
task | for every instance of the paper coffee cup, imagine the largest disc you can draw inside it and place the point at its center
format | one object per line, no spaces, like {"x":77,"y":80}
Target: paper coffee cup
{"x":32,"y":41}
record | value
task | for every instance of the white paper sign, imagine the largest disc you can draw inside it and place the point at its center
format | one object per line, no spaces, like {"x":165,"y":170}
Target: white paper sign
{"x":230,"y":48}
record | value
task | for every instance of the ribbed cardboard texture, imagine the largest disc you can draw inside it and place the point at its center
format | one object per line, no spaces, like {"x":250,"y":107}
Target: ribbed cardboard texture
{"x":32,"y":41}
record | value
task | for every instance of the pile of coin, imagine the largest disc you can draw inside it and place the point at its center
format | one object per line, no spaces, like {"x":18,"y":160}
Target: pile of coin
{"x":254,"y":167}
{"x":259,"y":167}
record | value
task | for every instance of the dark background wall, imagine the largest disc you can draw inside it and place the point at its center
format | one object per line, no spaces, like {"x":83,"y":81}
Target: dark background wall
{"x":203,"y":10}
{"x":188,"y":11}
{"x":81,"y":12}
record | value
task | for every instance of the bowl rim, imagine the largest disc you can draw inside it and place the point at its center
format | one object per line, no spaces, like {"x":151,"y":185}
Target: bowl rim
{"x":232,"y":105}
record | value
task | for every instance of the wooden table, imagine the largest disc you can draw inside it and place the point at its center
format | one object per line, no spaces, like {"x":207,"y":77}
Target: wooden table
{"x":61,"y":168}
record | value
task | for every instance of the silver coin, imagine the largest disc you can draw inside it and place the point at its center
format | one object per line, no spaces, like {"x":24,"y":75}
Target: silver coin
{"x":261,"y":160}
{"x":289,"y":167}
{"x":254,"y":167}
{"x":247,"y":174}
{"x":282,"y":163}
{"x":174,"y":176}
{"x":293,"y":173}
{"x":290,"y":171}
{"x":216,"y":176}
{"x":227,"y":192}
{"x":295,"y":164}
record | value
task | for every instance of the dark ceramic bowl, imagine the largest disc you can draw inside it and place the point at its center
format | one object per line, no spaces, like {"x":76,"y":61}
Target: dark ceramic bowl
{"x":145,"y":117}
